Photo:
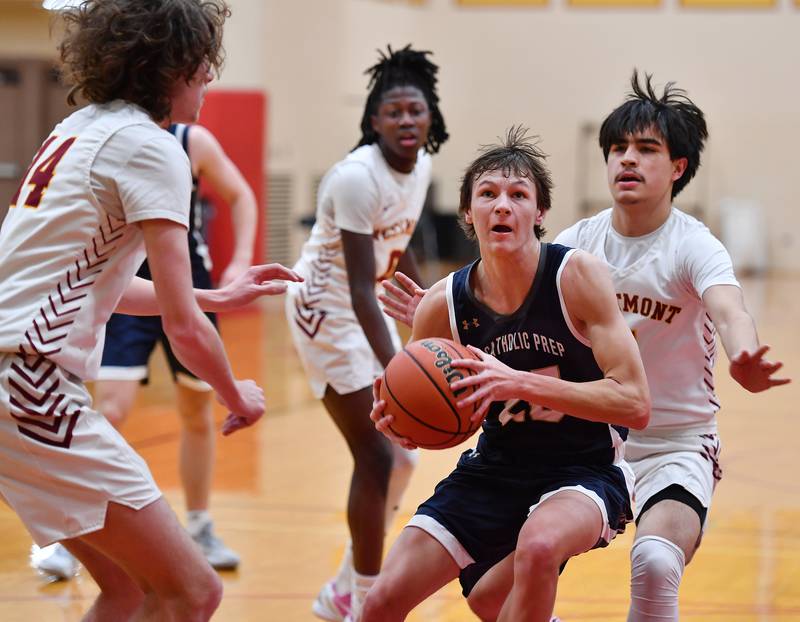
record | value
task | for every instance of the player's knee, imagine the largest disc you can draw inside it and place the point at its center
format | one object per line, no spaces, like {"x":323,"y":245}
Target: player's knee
{"x":204,"y":597}
{"x":404,"y":461}
{"x":656,"y":561}
{"x":535,"y":554}
{"x":380,"y":606}
{"x":113,"y":411}
{"x":375,"y":459}
{"x":199,"y":422}
{"x":486,"y":604}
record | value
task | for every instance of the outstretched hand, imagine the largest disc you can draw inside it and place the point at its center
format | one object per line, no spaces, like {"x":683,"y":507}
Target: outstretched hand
{"x":235,"y":267}
{"x":256,"y":281}
{"x":401,"y":303}
{"x":493,"y":380}
{"x":754,"y":372}
{"x":382,"y":421}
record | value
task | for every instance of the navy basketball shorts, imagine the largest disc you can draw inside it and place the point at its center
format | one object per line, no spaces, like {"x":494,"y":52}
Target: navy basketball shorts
{"x":477,"y":512}
{"x":130,"y":340}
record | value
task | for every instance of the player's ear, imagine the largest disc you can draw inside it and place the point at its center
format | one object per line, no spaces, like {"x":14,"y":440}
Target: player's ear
{"x":539,"y":216}
{"x":468,"y":216}
{"x":679,"y":168}
{"x":373,"y":120}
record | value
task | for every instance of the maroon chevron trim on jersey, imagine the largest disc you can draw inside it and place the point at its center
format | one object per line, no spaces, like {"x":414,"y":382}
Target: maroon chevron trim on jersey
{"x":711,"y":451}
{"x":307,"y":316}
{"x":51,"y":324}
{"x":710,"y":341}
{"x":40,"y":409}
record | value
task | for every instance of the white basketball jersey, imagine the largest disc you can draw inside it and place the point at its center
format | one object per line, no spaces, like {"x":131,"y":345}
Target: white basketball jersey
{"x":361,"y":194}
{"x":68,"y":247}
{"x":660,"y":294}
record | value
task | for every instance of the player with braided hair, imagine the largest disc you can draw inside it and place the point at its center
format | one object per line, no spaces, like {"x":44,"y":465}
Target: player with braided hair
{"x":367,"y":208}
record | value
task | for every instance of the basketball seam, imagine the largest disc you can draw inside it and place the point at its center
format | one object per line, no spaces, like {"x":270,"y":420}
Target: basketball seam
{"x":438,"y":390}
{"x":410,"y":414}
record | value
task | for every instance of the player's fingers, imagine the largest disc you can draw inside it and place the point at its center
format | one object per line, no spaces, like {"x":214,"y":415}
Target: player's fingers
{"x":382,"y":424}
{"x":376,"y":389}
{"x":474,"y":397}
{"x":272,"y":288}
{"x":272,"y":271}
{"x":395,"y":315}
{"x":479,"y":353}
{"x":233,"y":423}
{"x":390,"y":302}
{"x":776,"y":382}
{"x":377,"y":412}
{"x":406,"y":281}
{"x":762,"y":350}
{"x":473,"y":364}
{"x":480,"y":413}
{"x":466,"y":381}
{"x":396,"y":292}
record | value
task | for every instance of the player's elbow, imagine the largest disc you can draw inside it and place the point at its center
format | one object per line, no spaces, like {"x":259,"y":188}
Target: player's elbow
{"x":639,"y":414}
{"x":181,"y":331}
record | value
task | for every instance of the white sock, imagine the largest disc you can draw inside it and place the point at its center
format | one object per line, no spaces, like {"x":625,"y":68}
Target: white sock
{"x":196,"y":520}
{"x":403,"y":465}
{"x":343,"y":580}
{"x":360,"y":587}
{"x":656,"y":571}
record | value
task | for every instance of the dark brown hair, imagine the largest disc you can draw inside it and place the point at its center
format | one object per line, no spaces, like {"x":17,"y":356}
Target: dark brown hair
{"x":138,"y":50}
{"x":517,"y":154}
{"x":672,"y":114}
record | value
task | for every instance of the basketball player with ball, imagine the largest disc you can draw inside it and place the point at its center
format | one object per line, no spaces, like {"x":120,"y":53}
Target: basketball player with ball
{"x":557,"y":380}
{"x":676,"y":286}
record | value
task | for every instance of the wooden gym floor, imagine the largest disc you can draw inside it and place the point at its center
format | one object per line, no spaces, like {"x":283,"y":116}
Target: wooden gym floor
{"x":280,"y":490}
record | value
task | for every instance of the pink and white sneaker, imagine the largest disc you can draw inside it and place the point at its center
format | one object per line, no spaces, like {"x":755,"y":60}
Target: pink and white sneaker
{"x":330,"y":605}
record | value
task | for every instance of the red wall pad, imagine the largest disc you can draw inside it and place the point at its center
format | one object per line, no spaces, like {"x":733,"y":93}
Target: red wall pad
{"x":237,"y":118}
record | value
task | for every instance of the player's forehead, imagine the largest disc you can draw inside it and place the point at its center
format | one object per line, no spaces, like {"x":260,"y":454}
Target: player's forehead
{"x":403,"y":93}
{"x":503,"y":177}
{"x":647,"y":134}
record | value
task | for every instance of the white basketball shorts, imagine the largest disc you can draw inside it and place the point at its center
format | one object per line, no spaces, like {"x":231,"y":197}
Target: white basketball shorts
{"x":62,"y":462}
{"x":688,"y":459}
{"x":334,"y":349}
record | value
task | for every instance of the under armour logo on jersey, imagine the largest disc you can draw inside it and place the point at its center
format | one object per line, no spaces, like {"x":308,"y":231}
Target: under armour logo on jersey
{"x":466,"y":324}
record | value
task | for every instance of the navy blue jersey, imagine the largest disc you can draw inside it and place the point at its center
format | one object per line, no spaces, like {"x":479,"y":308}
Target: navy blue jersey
{"x":198,"y":250}
{"x":539,"y":338}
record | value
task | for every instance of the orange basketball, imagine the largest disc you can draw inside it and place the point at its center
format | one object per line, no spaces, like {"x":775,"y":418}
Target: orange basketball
{"x":416,"y":387}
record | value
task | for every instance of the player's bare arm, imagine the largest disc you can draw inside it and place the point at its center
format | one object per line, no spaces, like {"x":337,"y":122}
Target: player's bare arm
{"x":621,"y":397}
{"x":430,"y":320}
{"x":192,"y":336}
{"x":210,"y":162}
{"x":359,"y":256}
{"x":262,"y":280}
{"x":737,"y":330}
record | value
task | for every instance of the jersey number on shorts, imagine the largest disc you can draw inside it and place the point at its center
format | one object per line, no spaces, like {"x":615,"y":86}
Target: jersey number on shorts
{"x":519,"y":410}
{"x":43,"y":171}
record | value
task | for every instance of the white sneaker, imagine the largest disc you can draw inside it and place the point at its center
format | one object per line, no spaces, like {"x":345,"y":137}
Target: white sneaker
{"x":330,"y":605}
{"x":218,"y":555}
{"x":54,"y":561}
